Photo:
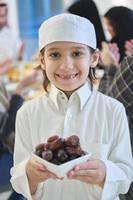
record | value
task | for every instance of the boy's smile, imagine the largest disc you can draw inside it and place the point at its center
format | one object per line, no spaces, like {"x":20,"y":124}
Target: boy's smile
{"x":67,"y":65}
{"x":67,"y":76}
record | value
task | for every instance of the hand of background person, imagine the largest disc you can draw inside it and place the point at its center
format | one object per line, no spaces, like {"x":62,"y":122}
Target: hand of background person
{"x":91,"y":172}
{"x":36,"y":174}
{"x":109,"y":54}
{"x":129,"y":47}
{"x":36,"y":77}
{"x":21,"y":51}
{"x":5,"y":66}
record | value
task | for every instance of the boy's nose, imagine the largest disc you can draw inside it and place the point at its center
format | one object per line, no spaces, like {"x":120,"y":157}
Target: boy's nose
{"x":67,"y":63}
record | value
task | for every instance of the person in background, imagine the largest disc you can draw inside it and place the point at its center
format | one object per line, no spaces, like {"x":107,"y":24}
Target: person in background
{"x":9,"y":106}
{"x":119,"y":23}
{"x":121,"y":87}
{"x":11,"y":47}
{"x":88,"y":9}
{"x":110,"y":58}
{"x":68,"y":56}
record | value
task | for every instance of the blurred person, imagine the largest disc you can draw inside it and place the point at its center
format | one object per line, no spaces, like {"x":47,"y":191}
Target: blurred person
{"x":88,"y":9}
{"x":122,"y":90}
{"x":119,"y":23}
{"x":11,"y":47}
{"x":121,"y":87}
{"x":110,"y":59}
{"x":9,"y":106}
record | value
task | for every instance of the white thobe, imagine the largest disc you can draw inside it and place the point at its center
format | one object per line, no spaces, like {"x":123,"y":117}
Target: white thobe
{"x":101,"y":124}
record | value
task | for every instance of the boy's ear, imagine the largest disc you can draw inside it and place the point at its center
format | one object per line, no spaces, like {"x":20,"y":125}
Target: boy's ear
{"x":42,"y":61}
{"x":95,"y":58}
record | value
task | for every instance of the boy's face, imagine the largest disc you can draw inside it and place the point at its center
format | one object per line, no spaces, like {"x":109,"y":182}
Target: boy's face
{"x":67,"y":65}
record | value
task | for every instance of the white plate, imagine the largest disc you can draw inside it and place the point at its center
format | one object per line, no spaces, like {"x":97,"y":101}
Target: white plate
{"x":63,"y":169}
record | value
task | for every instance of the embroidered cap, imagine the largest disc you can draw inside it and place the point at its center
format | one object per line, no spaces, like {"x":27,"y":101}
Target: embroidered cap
{"x":68,"y":28}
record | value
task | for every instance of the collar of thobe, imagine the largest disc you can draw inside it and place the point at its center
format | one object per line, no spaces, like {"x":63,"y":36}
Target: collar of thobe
{"x":83,"y":94}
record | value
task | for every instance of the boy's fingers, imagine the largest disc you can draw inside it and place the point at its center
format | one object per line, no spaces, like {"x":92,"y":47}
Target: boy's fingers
{"x":90,"y":164}
{"x":37,"y":165}
{"x":90,"y":173}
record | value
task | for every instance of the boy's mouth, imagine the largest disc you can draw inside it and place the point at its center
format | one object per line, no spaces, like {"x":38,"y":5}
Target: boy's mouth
{"x":68,"y":76}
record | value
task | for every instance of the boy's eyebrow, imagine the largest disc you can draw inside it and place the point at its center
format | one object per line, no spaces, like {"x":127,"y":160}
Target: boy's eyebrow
{"x":79,"y":48}
{"x":52,"y":49}
{"x":56,"y":48}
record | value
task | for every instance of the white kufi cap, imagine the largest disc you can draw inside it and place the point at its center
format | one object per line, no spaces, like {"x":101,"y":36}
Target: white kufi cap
{"x":67,"y":27}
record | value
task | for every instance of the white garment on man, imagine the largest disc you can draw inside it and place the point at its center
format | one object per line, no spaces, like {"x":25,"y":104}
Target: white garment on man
{"x":101,"y":124}
{"x":9,"y":44}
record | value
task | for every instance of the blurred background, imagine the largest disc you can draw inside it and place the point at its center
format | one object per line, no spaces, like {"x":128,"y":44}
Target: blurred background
{"x":25,"y":16}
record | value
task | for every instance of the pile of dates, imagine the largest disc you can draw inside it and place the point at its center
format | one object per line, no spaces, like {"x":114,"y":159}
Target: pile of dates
{"x":60,"y":150}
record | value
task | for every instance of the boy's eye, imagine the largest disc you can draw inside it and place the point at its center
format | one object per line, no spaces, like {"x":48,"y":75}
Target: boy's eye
{"x":54,"y":55}
{"x":77,"y":54}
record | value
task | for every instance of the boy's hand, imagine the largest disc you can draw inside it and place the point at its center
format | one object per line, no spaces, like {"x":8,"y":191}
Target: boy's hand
{"x":36,"y":174}
{"x":92,"y":172}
